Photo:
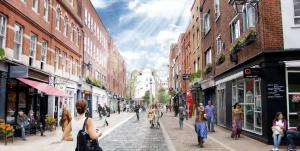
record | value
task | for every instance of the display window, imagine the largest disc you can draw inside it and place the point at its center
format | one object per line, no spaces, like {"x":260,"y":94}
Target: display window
{"x":221,"y":104}
{"x":248,"y":93}
{"x":293,"y":97}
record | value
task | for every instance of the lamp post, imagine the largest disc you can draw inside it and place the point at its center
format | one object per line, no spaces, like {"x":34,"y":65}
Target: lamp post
{"x":150,"y":91}
{"x":238,"y":4}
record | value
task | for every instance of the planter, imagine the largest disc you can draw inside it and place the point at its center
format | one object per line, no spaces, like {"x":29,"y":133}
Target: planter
{"x":249,"y":40}
{"x":233,"y":57}
{"x":208,"y":70}
{"x":221,"y":59}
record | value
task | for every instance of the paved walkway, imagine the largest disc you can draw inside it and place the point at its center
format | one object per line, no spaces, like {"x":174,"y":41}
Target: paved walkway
{"x":186,"y":139}
{"x":135,"y":136}
{"x":50,"y":141}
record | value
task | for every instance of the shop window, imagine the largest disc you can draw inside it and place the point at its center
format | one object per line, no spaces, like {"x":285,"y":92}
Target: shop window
{"x":248,"y":93}
{"x":18,"y":42}
{"x":293,"y":97}
{"x":2,"y":30}
{"x":221,"y":104}
{"x":297,"y":12}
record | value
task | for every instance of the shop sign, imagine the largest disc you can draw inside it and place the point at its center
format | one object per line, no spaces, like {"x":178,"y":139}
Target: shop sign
{"x":252,"y":72}
{"x":186,"y":76}
{"x":275,"y":91}
{"x":18,"y":72}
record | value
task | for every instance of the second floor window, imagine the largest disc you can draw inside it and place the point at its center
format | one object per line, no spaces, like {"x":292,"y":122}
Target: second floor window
{"x":235,"y":30}
{"x":219,"y":45}
{"x":65,"y":25}
{"x":35,"y":5}
{"x":32,"y":48}
{"x":208,"y":59}
{"x":56,"y":58}
{"x":206,"y":24}
{"x":44,"y":51}
{"x":248,"y":17}
{"x":46,"y":9}
{"x":57,"y":18}
{"x":217,"y":8}
{"x":2,"y":30}
{"x":297,"y":12}
{"x":18,"y":42}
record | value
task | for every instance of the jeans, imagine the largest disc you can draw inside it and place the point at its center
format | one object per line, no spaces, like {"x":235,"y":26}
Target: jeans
{"x":210,"y":123}
{"x":137,"y":115}
{"x":291,"y":135}
{"x":277,"y":140}
{"x":23,"y":132}
{"x":181,"y":123}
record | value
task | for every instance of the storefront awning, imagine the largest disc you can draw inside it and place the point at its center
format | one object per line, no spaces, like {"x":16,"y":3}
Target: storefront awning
{"x":229,"y":78}
{"x":49,"y":90}
{"x":207,"y":84}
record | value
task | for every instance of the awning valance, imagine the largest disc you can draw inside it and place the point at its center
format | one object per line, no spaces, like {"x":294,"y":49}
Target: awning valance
{"x":49,"y":90}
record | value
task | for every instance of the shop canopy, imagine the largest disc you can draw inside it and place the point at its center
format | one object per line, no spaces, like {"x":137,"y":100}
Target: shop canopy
{"x":49,"y":90}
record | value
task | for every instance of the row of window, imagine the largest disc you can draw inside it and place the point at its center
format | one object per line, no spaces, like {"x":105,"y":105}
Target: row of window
{"x":18,"y":47}
{"x":92,"y":49}
{"x":65,"y":61}
{"x":91,"y":23}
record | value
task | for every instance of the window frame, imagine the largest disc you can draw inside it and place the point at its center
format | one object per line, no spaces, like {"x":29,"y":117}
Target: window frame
{"x":208,"y":58}
{"x":20,"y":42}
{"x":56,"y":59}
{"x":296,"y":17}
{"x":46,"y":10}
{"x":233,"y":29}
{"x":35,"y":5}
{"x":57,"y":19}
{"x":217,"y":9}
{"x":3,"y":26}
{"x":219,"y":45}
{"x":44,"y":51}
{"x":66,"y":26}
{"x":206,"y":23}
{"x":32,"y":47}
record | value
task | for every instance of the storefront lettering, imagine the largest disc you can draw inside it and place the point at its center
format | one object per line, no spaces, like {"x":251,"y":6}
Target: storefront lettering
{"x":275,"y":91}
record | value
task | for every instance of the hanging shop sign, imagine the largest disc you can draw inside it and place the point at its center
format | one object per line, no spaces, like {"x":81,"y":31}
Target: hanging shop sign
{"x":186,"y":76}
{"x":275,"y":91}
{"x":252,"y":72}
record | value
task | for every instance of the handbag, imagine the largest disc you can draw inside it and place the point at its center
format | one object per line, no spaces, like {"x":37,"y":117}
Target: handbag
{"x":85,"y":143}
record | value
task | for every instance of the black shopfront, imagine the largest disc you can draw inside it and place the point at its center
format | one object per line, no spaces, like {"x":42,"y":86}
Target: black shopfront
{"x":276,"y":89}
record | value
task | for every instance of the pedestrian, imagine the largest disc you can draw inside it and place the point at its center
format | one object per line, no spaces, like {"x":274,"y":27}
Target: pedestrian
{"x":23,"y":123}
{"x":293,"y":134}
{"x":137,"y":110}
{"x":99,"y":109}
{"x":65,"y":120}
{"x":181,"y":115}
{"x":127,"y":107}
{"x":157,"y":115}
{"x":78,"y":123}
{"x":119,"y":108}
{"x":278,"y":128}
{"x":106,"y":114}
{"x":124,"y":107}
{"x":237,"y":117}
{"x":87,"y":113}
{"x":176,"y":108}
{"x":200,"y":125}
{"x":210,"y":113}
{"x":151,"y":116}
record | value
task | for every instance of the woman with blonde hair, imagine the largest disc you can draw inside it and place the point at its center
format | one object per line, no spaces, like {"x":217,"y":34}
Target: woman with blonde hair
{"x":151,"y":116}
{"x":65,"y":118}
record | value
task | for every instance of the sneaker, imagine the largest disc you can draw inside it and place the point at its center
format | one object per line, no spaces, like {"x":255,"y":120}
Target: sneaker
{"x":276,"y":149}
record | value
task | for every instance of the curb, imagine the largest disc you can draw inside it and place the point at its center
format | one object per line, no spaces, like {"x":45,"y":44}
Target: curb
{"x":170,"y":144}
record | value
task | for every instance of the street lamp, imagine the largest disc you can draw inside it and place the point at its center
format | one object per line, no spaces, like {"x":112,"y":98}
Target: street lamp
{"x":238,"y":4}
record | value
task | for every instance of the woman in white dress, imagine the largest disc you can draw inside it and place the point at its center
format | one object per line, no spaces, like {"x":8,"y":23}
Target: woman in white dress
{"x":77,"y":123}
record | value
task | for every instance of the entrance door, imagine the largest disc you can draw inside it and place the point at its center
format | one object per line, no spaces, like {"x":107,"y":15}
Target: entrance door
{"x":221,"y":105}
{"x":56,"y":108}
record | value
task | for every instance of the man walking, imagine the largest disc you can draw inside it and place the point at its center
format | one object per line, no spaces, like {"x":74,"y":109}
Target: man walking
{"x":137,"y":110}
{"x":119,"y":110}
{"x":210,"y":113}
{"x":100,"y":111}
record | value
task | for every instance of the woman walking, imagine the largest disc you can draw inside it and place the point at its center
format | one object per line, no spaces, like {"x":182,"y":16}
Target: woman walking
{"x":181,"y":116}
{"x":151,"y":116}
{"x":278,"y":128}
{"x":65,"y":119}
{"x":200,"y":125}
{"x":237,"y":117}
{"x":78,"y":122}
{"x":157,"y":115}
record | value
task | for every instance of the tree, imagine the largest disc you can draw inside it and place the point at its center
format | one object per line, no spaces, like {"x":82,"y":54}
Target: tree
{"x":146,"y":97}
{"x":163,"y":95}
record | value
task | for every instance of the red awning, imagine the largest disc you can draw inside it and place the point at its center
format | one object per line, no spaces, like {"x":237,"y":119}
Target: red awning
{"x":50,"y":90}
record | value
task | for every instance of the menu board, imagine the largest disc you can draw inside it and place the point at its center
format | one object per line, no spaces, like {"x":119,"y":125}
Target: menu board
{"x":275,"y":91}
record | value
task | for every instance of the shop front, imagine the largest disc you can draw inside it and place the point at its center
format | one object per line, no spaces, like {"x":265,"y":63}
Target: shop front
{"x":3,"y":77}
{"x":273,"y":86}
{"x":27,"y":93}
{"x":99,"y":97}
{"x":208,"y":88}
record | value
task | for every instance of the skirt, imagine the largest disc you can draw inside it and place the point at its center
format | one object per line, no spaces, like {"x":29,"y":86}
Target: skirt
{"x":201,"y":129}
{"x":236,"y":128}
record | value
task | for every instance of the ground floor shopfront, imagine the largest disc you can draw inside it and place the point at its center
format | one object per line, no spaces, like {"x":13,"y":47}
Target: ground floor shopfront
{"x":275,"y":89}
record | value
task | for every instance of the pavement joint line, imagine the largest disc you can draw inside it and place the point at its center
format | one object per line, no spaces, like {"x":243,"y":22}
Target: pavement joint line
{"x":170,"y":144}
{"x":115,"y":127}
{"x":211,"y":138}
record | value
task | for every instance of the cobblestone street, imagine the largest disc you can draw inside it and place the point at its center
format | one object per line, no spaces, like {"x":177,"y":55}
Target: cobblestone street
{"x":135,"y":136}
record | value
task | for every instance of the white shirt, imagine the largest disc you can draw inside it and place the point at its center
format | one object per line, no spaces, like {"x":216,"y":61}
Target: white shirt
{"x":77,"y":125}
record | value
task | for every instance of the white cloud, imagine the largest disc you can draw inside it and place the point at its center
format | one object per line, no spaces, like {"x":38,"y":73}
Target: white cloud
{"x":103,"y":3}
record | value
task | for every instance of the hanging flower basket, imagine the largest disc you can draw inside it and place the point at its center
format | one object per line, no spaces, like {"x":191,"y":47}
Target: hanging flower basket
{"x":208,"y":70}
{"x":250,"y":38}
{"x":2,"y":54}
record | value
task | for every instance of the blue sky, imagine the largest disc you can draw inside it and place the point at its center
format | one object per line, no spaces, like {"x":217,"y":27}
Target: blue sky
{"x":144,"y":29}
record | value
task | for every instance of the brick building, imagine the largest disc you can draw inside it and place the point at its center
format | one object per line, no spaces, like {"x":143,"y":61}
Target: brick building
{"x":249,"y":40}
{"x":46,"y":56}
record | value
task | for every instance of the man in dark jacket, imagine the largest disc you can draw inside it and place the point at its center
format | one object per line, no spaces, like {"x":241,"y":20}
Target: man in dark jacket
{"x":100,"y":111}
{"x":137,"y":111}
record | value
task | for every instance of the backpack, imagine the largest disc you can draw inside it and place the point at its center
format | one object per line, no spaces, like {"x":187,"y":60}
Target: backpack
{"x":84,"y":142}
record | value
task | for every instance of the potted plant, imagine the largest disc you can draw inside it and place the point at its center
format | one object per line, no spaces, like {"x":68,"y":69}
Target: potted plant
{"x":2,"y":53}
{"x":7,"y":131}
{"x":50,"y":122}
{"x":208,"y":70}
{"x":221,"y":59}
{"x":237,"y":46}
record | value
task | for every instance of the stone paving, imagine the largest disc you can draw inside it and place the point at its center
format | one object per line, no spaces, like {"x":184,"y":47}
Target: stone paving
{"x":186,"y":139}
{"x":135,"y":136}
{"x":51,"y":140}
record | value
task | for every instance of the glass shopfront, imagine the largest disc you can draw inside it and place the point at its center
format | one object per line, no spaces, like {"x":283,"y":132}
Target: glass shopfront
{"x":221,"y":104}
{"x":293,"y":97}
{"x":248,"y":93}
